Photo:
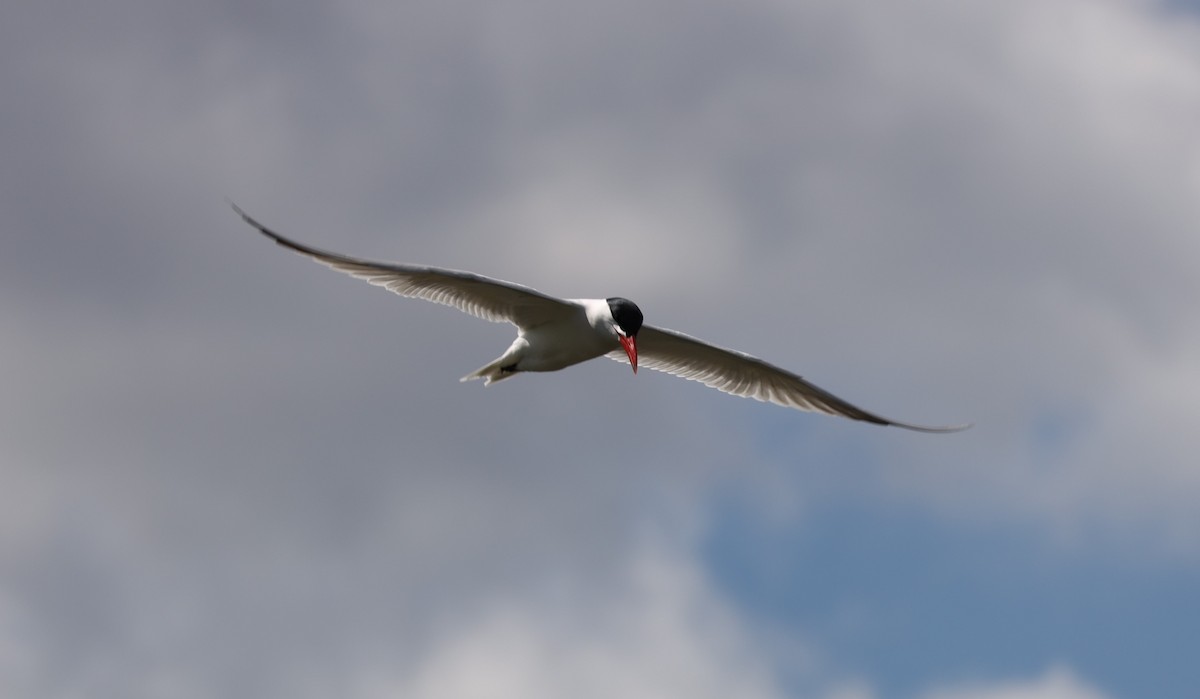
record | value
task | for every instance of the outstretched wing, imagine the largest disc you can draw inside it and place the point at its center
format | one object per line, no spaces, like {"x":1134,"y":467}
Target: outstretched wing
{"x":490,"y":299}
{"x":741,"y":374}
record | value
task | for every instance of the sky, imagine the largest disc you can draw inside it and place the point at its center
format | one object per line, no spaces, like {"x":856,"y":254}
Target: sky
{"x":228,"y":472}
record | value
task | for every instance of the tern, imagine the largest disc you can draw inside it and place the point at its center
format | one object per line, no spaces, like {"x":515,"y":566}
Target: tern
{"x":554,"y":333}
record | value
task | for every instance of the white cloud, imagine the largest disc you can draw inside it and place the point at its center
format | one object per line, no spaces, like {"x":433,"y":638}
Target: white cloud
{"x":851,"y":690}
{"x":1055,"y":683}
{"x":593,"y":225}
{"x":1002,"y":231}
{"x":658,"y":632}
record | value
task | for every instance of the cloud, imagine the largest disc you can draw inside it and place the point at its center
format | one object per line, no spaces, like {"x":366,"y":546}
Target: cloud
{"x":221,"y":462}
{"x":986,"y":211}
{"x":658,"y":632}
{"x":1056,"y":683}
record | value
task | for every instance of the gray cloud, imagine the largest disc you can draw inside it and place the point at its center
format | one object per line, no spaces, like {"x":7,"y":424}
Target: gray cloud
{"x":228,"y":472}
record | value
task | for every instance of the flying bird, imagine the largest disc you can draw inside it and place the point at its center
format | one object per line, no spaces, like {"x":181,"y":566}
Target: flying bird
{"x":554,"y":333}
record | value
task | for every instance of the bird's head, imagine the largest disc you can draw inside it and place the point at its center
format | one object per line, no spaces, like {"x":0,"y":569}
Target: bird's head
{"x":626,"y":322}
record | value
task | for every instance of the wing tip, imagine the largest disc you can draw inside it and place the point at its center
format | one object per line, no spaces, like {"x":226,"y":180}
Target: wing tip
{"x":931,"y":429}
{"x":279,"y":239}
{"x":250,"y":219}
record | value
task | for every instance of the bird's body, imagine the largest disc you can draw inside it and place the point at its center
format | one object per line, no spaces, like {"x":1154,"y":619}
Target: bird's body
{"x":554,"y":333}
{"x":579,"y":335}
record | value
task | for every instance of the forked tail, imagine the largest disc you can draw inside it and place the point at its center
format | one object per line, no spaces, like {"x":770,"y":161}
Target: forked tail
{"x":493,"y":371}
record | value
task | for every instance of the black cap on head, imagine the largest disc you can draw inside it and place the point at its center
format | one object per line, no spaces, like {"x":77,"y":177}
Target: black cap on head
{"x":627,"y":315}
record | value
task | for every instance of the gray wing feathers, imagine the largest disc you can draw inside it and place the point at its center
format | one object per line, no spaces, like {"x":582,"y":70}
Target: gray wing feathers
{"x":744,"y":375}
{"x":489,"y":299}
